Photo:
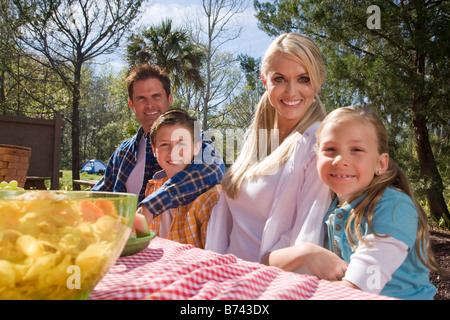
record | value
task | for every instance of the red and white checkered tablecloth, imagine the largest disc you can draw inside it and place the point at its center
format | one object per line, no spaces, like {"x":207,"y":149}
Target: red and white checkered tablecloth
{"x":167,"y":270}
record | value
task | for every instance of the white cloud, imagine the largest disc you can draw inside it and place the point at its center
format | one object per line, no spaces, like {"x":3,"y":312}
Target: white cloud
{"x":178,"y":11}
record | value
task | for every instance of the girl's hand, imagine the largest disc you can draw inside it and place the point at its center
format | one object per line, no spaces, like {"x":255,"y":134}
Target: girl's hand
{"x":320,"y":262}
{"x":346,"y":283}
{"x":323,"y":263}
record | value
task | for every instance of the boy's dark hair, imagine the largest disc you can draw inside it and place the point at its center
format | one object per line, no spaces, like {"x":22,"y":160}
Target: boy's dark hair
{"x":145,"y":72}
{"x":175,"y":116}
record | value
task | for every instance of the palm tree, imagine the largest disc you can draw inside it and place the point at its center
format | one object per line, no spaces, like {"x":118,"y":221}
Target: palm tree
{"x":168,"y":48}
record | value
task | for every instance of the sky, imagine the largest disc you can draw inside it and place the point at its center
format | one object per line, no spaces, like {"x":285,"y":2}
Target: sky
{"x":252,"y":41}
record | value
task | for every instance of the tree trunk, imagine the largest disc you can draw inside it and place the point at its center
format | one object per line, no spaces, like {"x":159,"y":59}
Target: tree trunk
{"x":76,"y":125}
{"x":434,"y":187}
{"x":2,"y":87}
{"x":208,"y":76}
{"x":433,"y":182}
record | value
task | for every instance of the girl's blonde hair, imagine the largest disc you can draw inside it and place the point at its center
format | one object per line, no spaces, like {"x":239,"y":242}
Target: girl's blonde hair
{"x":393,"y":177}
{"x":257,"y":157}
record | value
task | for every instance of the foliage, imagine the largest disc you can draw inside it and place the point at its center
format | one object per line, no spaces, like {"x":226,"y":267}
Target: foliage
{"x":41,"y":83}
{"x":67,"y":34}
{"x":443,"y":222}
{"x":27,"y":87}
{"x":400,"y":68}
{"x":218,"y":30}
{"x":251,"y":69}
{"x":170,"y":48}
{"x":105,"y":117}
{"x":241,"y":109}
{"x":437,"y":223}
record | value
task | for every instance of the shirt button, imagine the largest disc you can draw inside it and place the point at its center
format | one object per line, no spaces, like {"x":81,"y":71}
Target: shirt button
{"x":337,"y":227}
{"x":339,"y":216}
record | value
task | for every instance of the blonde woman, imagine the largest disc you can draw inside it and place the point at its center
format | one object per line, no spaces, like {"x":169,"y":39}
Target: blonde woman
{"x":272,"y":196}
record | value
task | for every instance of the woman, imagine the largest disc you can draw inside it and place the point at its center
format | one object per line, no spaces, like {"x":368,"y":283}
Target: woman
{"x":272,"y":196}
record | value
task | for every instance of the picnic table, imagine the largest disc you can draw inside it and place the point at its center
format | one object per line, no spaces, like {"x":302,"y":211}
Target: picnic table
{"x":167,"y":270}
{"x":88,"y":183}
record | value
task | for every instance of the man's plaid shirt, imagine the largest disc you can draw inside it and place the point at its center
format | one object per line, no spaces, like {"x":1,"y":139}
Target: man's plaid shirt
{"x":181,"y":189}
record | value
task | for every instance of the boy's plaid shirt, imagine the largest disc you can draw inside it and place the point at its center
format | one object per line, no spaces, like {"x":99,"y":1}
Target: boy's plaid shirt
{"x":181,"y":189}
{"x":189,"y":222}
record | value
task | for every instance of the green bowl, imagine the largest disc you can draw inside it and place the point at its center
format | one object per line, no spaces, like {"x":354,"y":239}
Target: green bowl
{"x":60,"y":244}
{"x":134,"y":245}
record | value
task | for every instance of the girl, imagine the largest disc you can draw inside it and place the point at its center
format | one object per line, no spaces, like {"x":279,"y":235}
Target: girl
{"x":272,"y":196}
{"x":374,"y":222}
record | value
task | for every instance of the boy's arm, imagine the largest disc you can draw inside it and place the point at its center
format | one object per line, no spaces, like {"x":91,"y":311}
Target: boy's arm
{"x":183,"y":187}
{"x":203,"y":173}
{"x":144,"y":211}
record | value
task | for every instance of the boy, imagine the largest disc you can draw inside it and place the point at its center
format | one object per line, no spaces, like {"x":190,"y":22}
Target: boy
{"x":133,"y":163}
{"x":173,"y":141}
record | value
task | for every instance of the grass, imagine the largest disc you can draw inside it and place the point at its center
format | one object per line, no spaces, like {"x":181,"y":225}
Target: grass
{"x":65,"y":182}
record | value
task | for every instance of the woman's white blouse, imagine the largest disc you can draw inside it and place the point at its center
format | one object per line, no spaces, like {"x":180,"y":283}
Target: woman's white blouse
{"x":273,"y":211}
{"x":252,"y":208}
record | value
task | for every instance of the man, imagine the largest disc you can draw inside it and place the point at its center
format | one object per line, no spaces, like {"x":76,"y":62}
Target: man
{"x":133,"y":163}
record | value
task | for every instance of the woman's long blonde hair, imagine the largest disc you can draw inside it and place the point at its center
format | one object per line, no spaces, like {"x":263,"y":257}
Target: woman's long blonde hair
{"x":260,"y":154}
{"x":393,"y":177}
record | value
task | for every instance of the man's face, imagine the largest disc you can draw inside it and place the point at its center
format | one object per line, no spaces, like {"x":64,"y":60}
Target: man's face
{"x":149,"y":101}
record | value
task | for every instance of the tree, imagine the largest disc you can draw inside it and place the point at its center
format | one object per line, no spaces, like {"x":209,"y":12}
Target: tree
{"x":26,"y":86}
{"x":251,"y":68}
{"x":240,"y":111}
{"x":169,"y":48}
{"x":69,"y":33}
{"x":393,"y":55}
{"x":7,"y":49}
{"x":104,"y":113}
{"x":220,"y":15}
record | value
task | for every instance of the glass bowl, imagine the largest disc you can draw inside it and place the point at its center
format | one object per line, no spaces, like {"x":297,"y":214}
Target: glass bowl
{"x":60,"y":244}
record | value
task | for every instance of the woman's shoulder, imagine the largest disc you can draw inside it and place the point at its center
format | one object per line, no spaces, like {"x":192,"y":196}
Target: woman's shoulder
{"x":310,"y":132}
{"x":306,"y":142}
{"x":309,"y":135}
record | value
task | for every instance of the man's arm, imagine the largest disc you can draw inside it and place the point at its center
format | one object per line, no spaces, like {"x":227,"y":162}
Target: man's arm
{"x":184,"y":187}
{"x":106,"y":182}
{"x":111,"y":180}
{"x":202,"y":174}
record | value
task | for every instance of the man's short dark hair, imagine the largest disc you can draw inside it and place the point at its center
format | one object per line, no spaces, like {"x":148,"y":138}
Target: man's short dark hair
{"x":145,"y":72}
